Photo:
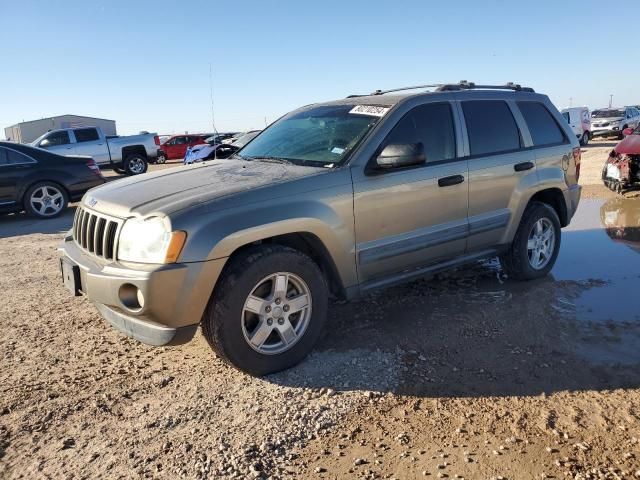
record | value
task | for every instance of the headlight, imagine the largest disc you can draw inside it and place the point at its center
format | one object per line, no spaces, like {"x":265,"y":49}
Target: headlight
{"x":149,"y":241}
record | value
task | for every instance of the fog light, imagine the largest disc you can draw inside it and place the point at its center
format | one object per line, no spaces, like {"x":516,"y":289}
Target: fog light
{"x":131,"y":296}
{"x":140,"y":298}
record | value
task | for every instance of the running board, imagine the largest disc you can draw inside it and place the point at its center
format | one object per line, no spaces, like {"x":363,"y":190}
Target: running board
{"x":408,"y":275}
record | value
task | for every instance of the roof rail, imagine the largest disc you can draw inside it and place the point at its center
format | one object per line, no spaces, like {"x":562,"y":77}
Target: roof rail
{"x":449,"y":87}
{"x":464,"y":85}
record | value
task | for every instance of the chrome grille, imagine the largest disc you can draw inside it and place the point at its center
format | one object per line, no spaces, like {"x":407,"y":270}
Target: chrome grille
{"x":96,"y":233}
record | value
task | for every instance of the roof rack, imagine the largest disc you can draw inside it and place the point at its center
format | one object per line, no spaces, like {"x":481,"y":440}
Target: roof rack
{"x":464,"y":85}
{"x":450,"y":87}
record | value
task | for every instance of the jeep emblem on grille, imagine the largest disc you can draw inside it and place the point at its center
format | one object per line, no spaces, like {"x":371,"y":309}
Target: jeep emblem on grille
{"x":92,"y":202}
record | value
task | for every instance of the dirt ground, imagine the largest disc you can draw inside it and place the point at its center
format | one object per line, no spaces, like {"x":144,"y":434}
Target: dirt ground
{"x":465,"y":375}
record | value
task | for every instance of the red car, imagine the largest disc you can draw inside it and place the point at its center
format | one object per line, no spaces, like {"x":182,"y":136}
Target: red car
{"x":176,"y":146}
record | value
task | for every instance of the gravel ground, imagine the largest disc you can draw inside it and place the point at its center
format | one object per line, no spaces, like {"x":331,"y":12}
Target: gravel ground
{"x":466,"y":375}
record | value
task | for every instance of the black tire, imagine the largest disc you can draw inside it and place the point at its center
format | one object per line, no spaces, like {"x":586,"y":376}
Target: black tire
{"x":223,"y":317}
{"x":59,"y":206}
{"x":621,"y":135}
{"x":135,"y":164}
{"x":161,"y":158}
{"x":515,"y":261}
{"x":584,"y":140}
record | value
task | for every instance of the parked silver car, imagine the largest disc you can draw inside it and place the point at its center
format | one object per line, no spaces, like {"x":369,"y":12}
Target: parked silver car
{"x":612,"y":121}
{"x":338,"y":198}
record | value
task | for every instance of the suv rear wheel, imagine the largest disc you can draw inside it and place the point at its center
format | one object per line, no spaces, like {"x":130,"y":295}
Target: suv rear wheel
{"x":268,"y":309}
{"x":536,"y":244}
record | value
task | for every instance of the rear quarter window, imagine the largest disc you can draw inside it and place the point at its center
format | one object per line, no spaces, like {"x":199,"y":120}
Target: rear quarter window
{"x":543,"y":127}
{"x":491,"y":127}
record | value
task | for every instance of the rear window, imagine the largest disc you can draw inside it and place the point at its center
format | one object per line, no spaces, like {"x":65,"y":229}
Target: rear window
{"x":86,"y":135}
{"x":491,"y":127}
{"x":542,"y":126}
{"x":12,"y":157}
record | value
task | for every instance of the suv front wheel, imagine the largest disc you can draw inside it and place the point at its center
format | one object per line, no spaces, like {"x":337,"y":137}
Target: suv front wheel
{"x":268,"y":309}
{"x":536,"y":244}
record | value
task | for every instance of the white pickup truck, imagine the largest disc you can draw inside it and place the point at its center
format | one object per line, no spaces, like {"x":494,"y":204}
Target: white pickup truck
{"x":130,"y":154}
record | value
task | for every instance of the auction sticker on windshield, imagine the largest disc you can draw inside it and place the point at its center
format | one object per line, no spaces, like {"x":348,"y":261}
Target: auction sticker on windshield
{"x":371,"y":110}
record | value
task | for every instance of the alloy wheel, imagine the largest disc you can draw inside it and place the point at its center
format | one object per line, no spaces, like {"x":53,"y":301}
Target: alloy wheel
{"x":276,"y":313}
{"x":541,"y":243}
{"x":47,"y":200}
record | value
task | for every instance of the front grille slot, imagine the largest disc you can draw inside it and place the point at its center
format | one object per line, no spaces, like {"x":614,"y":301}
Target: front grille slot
{"x":96,"y":233}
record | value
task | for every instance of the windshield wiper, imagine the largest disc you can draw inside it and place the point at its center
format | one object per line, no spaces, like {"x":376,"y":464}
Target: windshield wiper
{"x":272,"y":159}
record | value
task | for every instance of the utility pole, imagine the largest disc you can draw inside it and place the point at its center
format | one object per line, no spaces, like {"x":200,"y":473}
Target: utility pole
{"x":610,"y":100}
{"x":213,"y":120}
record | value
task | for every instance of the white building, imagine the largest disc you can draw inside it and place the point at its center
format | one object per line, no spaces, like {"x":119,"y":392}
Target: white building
{"x":26,"y":132}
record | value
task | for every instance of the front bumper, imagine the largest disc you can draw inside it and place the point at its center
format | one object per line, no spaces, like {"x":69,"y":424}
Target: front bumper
{"x":604,"y":131}
{"x":175,"y":295}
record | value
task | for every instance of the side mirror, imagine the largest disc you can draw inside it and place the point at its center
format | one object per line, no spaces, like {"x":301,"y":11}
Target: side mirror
{"x":44,"y":143}
{"x":627,"y":131}
{"x":401,"y":155}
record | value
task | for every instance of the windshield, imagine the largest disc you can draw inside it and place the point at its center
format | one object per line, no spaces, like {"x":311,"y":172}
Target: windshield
{"x":607,"y":113}
{"x":323,"y":135}
{"x":244,"y":139}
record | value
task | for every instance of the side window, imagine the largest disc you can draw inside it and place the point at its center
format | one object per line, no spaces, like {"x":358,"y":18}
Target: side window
{"x":180,"y":140}
{"x":542,"y":126}
{"x":566,"y":117}
{"x":431,"y":125}
{"x":491,"y":127}
{"x":86,"y":135}
{"x":56,"y":138}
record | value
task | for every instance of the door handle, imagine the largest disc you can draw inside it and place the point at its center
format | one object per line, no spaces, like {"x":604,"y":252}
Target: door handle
{"x":521,"y":167}
{"x":449,"y":181}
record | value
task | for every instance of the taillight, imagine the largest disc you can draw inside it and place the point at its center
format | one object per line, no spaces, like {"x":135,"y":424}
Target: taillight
{"x":95,"y":168}
{"x":577,"y":156}
{"x":156,"y":139}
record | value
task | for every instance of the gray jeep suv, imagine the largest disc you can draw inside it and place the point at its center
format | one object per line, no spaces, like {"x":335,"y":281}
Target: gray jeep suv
{"x":337,"y":198}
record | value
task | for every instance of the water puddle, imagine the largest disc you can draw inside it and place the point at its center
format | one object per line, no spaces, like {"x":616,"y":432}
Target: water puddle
{"x":601,"y":250}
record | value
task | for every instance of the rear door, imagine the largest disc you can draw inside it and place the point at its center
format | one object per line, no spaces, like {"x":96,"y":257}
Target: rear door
{"x":498,"y":161}
{"x":412,"y":217}
{"x":14,"y":167}
{"x":88,"y":142}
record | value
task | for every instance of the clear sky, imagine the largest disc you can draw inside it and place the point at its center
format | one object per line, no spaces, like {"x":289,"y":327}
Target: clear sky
{"x":146,"y":64}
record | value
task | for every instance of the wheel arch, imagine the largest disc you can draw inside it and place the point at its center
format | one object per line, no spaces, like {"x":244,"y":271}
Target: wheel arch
{"x":555,"y":199}
{"x":133,"y":149}
{"x":312,"y":246}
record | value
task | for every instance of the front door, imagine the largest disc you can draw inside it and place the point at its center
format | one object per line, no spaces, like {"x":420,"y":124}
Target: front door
{"x":412,"y":217}
{"x":58,"y":142}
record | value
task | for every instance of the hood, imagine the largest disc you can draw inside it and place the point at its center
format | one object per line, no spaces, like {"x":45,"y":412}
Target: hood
{"x":174,"y":189}
{"x":629,"y":146}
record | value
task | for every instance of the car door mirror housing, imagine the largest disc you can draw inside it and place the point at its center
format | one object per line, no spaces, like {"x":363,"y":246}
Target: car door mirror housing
{"x":627,"y":131}
{"x":44,"y":143}
{"x":401,"y":155}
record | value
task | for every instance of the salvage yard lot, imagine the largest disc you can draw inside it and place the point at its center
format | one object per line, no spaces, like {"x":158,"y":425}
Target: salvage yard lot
{"x":466,"y":374}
